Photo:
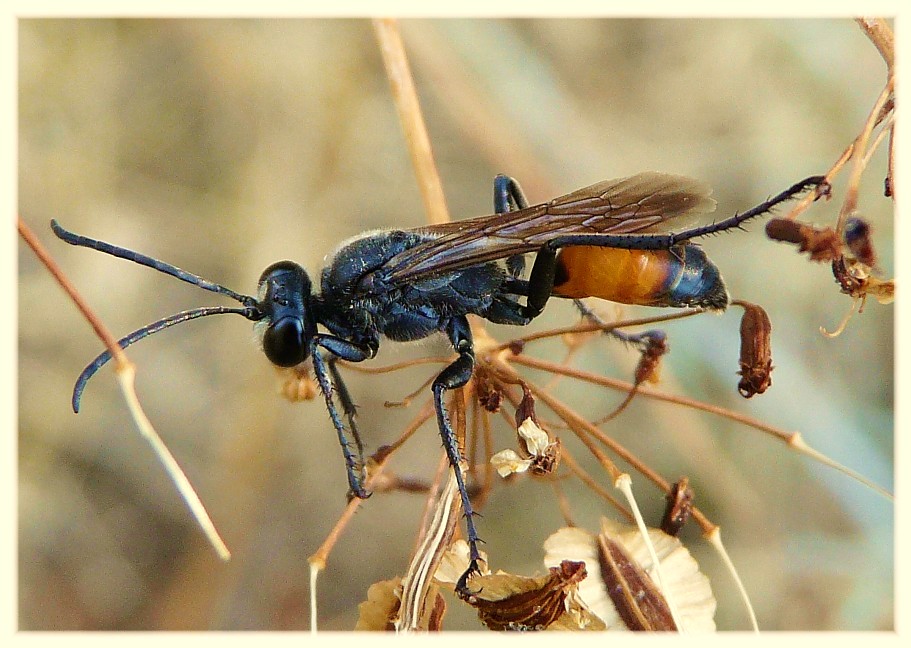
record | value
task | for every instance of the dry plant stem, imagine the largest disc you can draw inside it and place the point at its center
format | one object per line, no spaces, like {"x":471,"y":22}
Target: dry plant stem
{"x":793,"y":440}
{"x":570,"y":462}
{"x":126,"y":374}
{"x":589,"y":327}
{"x":406,"y":101}
{"x":584,"y":430}
{"x":857,"y":170}
{"x":880,"y":34}
{"x":563,"y":502}
{"x":430,"y":500}
{"x":419,"y":576}
{"x":318,"y":559}
{"x":356,"y":366}
{"x":488,"y":467}
{"x":472,"y":440}
{"x":887,"y":129}
{"x":884,"y":105}
{"x":495,"y":138}
{"x":648,"y":392}
{"x":100,"y":329}
{"x":619,"y":409}
{"x":480,"y":420}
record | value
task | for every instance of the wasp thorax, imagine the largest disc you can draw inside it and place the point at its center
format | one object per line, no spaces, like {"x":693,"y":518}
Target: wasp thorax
{"x":284,"y":294}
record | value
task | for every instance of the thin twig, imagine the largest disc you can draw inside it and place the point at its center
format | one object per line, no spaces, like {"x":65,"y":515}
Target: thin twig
{"x":880,"y":34}
{"x":126,"y":373}
{"x":406,"y":102}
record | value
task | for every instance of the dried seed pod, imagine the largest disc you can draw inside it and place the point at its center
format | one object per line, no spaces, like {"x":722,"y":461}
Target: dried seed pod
{"x":821,"y":243}
{"x":755,"y":351}
{"x":526,"y":408}
{"x":679,"y":507}
{"x":637,"y":599}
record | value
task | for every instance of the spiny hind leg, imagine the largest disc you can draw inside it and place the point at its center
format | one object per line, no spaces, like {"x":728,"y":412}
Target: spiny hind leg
{"x":454,"y":376}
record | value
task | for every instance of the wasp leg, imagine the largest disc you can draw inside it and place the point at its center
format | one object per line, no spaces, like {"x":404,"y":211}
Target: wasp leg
{"x":345,"y":350}
{"x":348,"y":405}
{"x":507,"y":197}
{"x":453,"y":377}
{"x":668,"y":241}
{"x":541,"y":280}
{"x":640,"y":340}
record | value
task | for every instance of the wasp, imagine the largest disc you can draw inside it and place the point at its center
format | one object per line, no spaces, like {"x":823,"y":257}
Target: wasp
{"x":611,"y":240}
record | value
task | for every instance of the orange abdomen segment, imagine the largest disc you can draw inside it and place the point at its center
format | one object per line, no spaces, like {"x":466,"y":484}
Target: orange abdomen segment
{"x":682,"y":277}
{"x":625,"y":276}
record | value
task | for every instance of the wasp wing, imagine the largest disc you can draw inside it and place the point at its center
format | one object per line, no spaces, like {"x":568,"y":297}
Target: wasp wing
{"x":641,"y":203}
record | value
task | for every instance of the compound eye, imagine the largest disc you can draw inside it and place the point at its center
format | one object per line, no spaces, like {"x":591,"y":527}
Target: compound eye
{"x":284,"y":344}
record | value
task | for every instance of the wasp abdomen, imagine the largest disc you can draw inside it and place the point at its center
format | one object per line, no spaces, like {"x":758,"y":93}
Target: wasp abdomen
{"x":683,"y":276}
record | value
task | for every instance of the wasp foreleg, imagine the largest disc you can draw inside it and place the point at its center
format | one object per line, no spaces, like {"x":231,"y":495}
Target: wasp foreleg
{"x":345,"y":350}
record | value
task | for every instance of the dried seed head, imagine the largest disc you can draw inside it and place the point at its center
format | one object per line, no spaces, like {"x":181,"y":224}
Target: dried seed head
{"x":755,"y":351}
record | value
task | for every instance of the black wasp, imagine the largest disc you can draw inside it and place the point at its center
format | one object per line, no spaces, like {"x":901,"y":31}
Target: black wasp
{"x":609,"y":240}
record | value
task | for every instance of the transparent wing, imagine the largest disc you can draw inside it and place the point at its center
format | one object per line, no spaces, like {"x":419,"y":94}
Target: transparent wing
{"x":646,"y":202}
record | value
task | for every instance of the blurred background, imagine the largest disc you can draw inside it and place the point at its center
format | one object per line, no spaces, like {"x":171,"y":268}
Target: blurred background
{"x":222,"y":146}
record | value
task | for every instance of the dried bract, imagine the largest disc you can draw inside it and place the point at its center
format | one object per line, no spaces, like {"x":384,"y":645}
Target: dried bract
{"x":378,"y":612}
{"x":381,"y":609}
{"x":537,"y":452}
{"x":510,"y":602}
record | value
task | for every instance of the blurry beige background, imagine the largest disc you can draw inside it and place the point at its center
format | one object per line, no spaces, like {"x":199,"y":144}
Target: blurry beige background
{"x":224,"y":145}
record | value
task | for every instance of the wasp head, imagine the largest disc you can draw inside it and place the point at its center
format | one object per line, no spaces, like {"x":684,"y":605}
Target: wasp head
{"x":287,"y":325}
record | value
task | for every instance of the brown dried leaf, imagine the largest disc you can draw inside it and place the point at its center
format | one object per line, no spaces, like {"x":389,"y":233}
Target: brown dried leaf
{"x":510,"y":602}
